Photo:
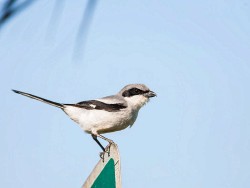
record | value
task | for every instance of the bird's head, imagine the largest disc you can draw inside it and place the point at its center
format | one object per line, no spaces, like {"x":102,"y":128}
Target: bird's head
{"x":136,"y":94}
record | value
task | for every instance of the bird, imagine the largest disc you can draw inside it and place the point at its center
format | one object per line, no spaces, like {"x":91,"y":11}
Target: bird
{"x":107,"y":114}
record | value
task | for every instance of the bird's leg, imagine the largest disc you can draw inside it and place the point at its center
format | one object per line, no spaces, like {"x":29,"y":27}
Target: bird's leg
{"x":110,"y":142}
{"x":97,"y":141}
{"x":94,"y":136}
{"x":104,"y":138}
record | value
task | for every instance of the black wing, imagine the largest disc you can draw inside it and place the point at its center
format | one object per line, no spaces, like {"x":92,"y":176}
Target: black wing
{"x":98,"y":105}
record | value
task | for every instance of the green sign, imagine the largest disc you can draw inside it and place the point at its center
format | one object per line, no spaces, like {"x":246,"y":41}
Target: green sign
{"x":106,"y":177}
{"x":107,"y":172}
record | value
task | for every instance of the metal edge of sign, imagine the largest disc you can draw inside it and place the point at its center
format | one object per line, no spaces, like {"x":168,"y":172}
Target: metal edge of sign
{"x":112,"y":154}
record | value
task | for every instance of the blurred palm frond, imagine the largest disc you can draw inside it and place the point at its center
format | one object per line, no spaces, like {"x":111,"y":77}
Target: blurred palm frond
{"x":84,"y":27}
{"x":10,"y":8}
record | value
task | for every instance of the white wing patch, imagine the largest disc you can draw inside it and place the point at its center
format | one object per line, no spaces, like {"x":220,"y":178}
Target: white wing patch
{"x":92,"y":105}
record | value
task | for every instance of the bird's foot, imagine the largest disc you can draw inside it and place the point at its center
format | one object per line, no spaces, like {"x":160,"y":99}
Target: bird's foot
{"x":107,"y":150}
{"x":102,"y":154}
{"x":110,"y":141}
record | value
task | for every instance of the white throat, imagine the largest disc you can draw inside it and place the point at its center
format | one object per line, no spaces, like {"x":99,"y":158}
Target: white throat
{"x":137,"y":101}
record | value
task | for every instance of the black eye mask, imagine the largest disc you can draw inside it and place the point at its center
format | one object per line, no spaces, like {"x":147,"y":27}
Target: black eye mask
{"x":133,"y":92}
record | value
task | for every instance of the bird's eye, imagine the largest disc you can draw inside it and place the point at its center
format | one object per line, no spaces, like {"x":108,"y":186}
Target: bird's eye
{"x":136,"y":91}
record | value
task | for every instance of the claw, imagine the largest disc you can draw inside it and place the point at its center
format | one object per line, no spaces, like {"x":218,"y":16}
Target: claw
{"x":107,"y":149}
{"x":110,"y":141}
{"x":102,"y":156}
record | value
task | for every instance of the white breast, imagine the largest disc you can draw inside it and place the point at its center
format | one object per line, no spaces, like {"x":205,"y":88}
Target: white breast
{"x":100,"y":120}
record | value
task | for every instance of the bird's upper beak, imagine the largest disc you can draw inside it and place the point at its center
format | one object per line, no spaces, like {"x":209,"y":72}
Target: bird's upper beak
{"x":150,"y":94}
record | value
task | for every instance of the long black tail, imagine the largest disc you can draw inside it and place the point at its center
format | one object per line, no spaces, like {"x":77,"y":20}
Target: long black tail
{"x":40,"y":99}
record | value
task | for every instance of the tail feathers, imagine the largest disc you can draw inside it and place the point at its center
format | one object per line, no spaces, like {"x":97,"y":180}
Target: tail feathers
{"x":39,"y":99}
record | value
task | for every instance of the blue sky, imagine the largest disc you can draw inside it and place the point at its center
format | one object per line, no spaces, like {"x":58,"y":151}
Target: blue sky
{"x":194,"y":55}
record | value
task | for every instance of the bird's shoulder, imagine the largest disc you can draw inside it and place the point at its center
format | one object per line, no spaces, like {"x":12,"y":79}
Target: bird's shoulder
{"x":113,"y":99}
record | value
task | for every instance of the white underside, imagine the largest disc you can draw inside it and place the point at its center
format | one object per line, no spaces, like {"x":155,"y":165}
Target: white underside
{"x":101,"y":121}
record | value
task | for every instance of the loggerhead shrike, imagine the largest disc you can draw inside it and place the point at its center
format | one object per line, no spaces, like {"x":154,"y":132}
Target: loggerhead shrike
{"x":105,"y":115}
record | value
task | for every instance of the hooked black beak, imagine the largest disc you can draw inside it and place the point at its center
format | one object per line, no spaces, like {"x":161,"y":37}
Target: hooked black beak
{"x":150,"y":94}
